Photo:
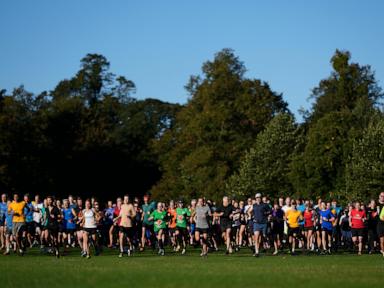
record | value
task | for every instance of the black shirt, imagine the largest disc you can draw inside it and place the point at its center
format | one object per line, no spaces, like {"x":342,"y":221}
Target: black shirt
{"x":53,"y":216}
{"x":227,"y":210}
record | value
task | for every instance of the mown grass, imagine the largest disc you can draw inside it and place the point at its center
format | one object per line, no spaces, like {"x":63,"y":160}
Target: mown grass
{"x":218,"y":270}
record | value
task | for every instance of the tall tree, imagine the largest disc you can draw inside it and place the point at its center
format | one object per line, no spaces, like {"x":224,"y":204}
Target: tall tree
{"x":266,"y":165}
{"x":220,"y":121}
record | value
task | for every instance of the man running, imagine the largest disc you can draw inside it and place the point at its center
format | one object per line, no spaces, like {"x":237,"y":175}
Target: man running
{"x":54,"y":217}
{"x":326,"y":219}
{"x":127,"y":213}
{"x":147,"y":228}
{"x":224,"y":212}
{"x":293,"y":217}
{"x":18,"y":221}
{"x":202,"y":216}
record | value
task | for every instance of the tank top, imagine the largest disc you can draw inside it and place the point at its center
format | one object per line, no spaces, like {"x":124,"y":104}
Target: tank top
{"x":89,"y":219}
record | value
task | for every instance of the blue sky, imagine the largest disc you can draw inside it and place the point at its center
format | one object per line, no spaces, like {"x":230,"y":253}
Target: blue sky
{"x":159,"y":44}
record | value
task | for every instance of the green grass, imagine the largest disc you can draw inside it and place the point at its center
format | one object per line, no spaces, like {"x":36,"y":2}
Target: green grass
{"x":218,"y":270}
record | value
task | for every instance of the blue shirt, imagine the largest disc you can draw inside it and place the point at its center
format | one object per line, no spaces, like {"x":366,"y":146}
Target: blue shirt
{"x":28,"y":212}
{"x":327,"y":214}
{"x":3,"y":212}
{"x":301,"y":208}
{"x":9,"y":219}
{"x":109,"y":215}
{"x":68,"y":222}
{"x":260,"y":213}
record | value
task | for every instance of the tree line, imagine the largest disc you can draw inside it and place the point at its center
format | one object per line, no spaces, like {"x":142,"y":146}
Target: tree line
{"x":234,"y":136}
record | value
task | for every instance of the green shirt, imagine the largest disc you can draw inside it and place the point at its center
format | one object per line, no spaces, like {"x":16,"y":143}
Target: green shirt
{"x":159,"y":219}
{"x":381,"y":216}
{"x":181,"y":217}
{"x":147,"y":210}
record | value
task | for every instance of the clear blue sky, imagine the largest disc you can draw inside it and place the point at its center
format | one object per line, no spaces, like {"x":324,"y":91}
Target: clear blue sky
{"x":159,"y":44}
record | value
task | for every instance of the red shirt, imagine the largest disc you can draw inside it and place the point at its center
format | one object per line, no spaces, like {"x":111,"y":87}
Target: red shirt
{"x":116,"y":213}
{"x":308,"y":218}
{"x":357,"y":219}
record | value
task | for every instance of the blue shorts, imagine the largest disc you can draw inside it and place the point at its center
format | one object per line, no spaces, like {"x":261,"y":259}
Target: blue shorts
{"x":260,"y":227}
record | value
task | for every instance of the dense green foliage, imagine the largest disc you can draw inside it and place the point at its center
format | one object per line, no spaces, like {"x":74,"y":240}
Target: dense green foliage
{"x":87,"y":136}
{"x":234,"y":136}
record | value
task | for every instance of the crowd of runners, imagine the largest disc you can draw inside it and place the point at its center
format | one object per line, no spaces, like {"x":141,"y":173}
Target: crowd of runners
{"x":129,"y":226}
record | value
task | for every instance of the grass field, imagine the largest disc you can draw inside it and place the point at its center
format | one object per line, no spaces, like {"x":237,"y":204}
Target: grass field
{"x":218,"y":270}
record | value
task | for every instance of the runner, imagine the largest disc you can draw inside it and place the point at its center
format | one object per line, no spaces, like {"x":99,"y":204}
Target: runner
{"x":159,"y":216}
{"x":69,"y":224}
{"x":3,"y":215}
{"x":309,"y":221}
{"x":8,"y":231}
{"x":89,"y":220}
{"x":127,"y":213}
{"x":224,"y":212}
{"x":202,"y":214}
{"x":259,"y":212}
{"x":37,"y":206}
{"x":326,"y":218}
{"x":147,"y":228}
{"x":293,"y":217}
{"x":182,"y":215}
{"x":277,"y":229}
{"x":79,"y":229}
{"x":29,"y":231}
{"x":54,"y":220}
{"x":357,"y":218}
{"x":372,"y":219}
{"x":380,"y":224}
{"x":172,"y":216}
{"x":18,"y":222}
{"x":108,"y":215}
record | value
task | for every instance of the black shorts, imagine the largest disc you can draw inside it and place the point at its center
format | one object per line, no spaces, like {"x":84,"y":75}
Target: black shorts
{"x":90,"y":231}
{"x":30,"y":227}
{"x":183,"y":231}
{"x":127,"y":231}
{"x":171,"y":230}
{"x":53,"y":230}
{"x":149,"y":226}
{"x":308,"y":228}
{"x":225,"y":224}
{"x":293,"y":231}
{"x":357,"y":232}
{"x":380,"y":229}
{"x":202,"y":230}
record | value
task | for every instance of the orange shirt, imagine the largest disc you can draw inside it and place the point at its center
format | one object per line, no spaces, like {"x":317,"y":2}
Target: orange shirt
{"x":172,"y":214}
{"x":17,"y":208}
{"x":293,"y":217}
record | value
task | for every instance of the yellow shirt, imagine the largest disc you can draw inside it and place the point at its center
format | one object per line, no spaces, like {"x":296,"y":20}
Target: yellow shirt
{"x":17,"y":208}
{"x":293,"y":217}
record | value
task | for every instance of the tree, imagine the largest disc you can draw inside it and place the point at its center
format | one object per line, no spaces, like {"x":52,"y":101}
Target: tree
{"x":343,"y":107}
{"x":220,"y":121}
{"x":365,"y":169}
{"x":266,"y":165}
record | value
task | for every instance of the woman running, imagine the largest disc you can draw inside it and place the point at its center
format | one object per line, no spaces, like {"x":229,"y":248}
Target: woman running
{"x":357,"y":219}
{"x":89,"y":220}
{"x":309,"y":216}
{"x":159,"y":216}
